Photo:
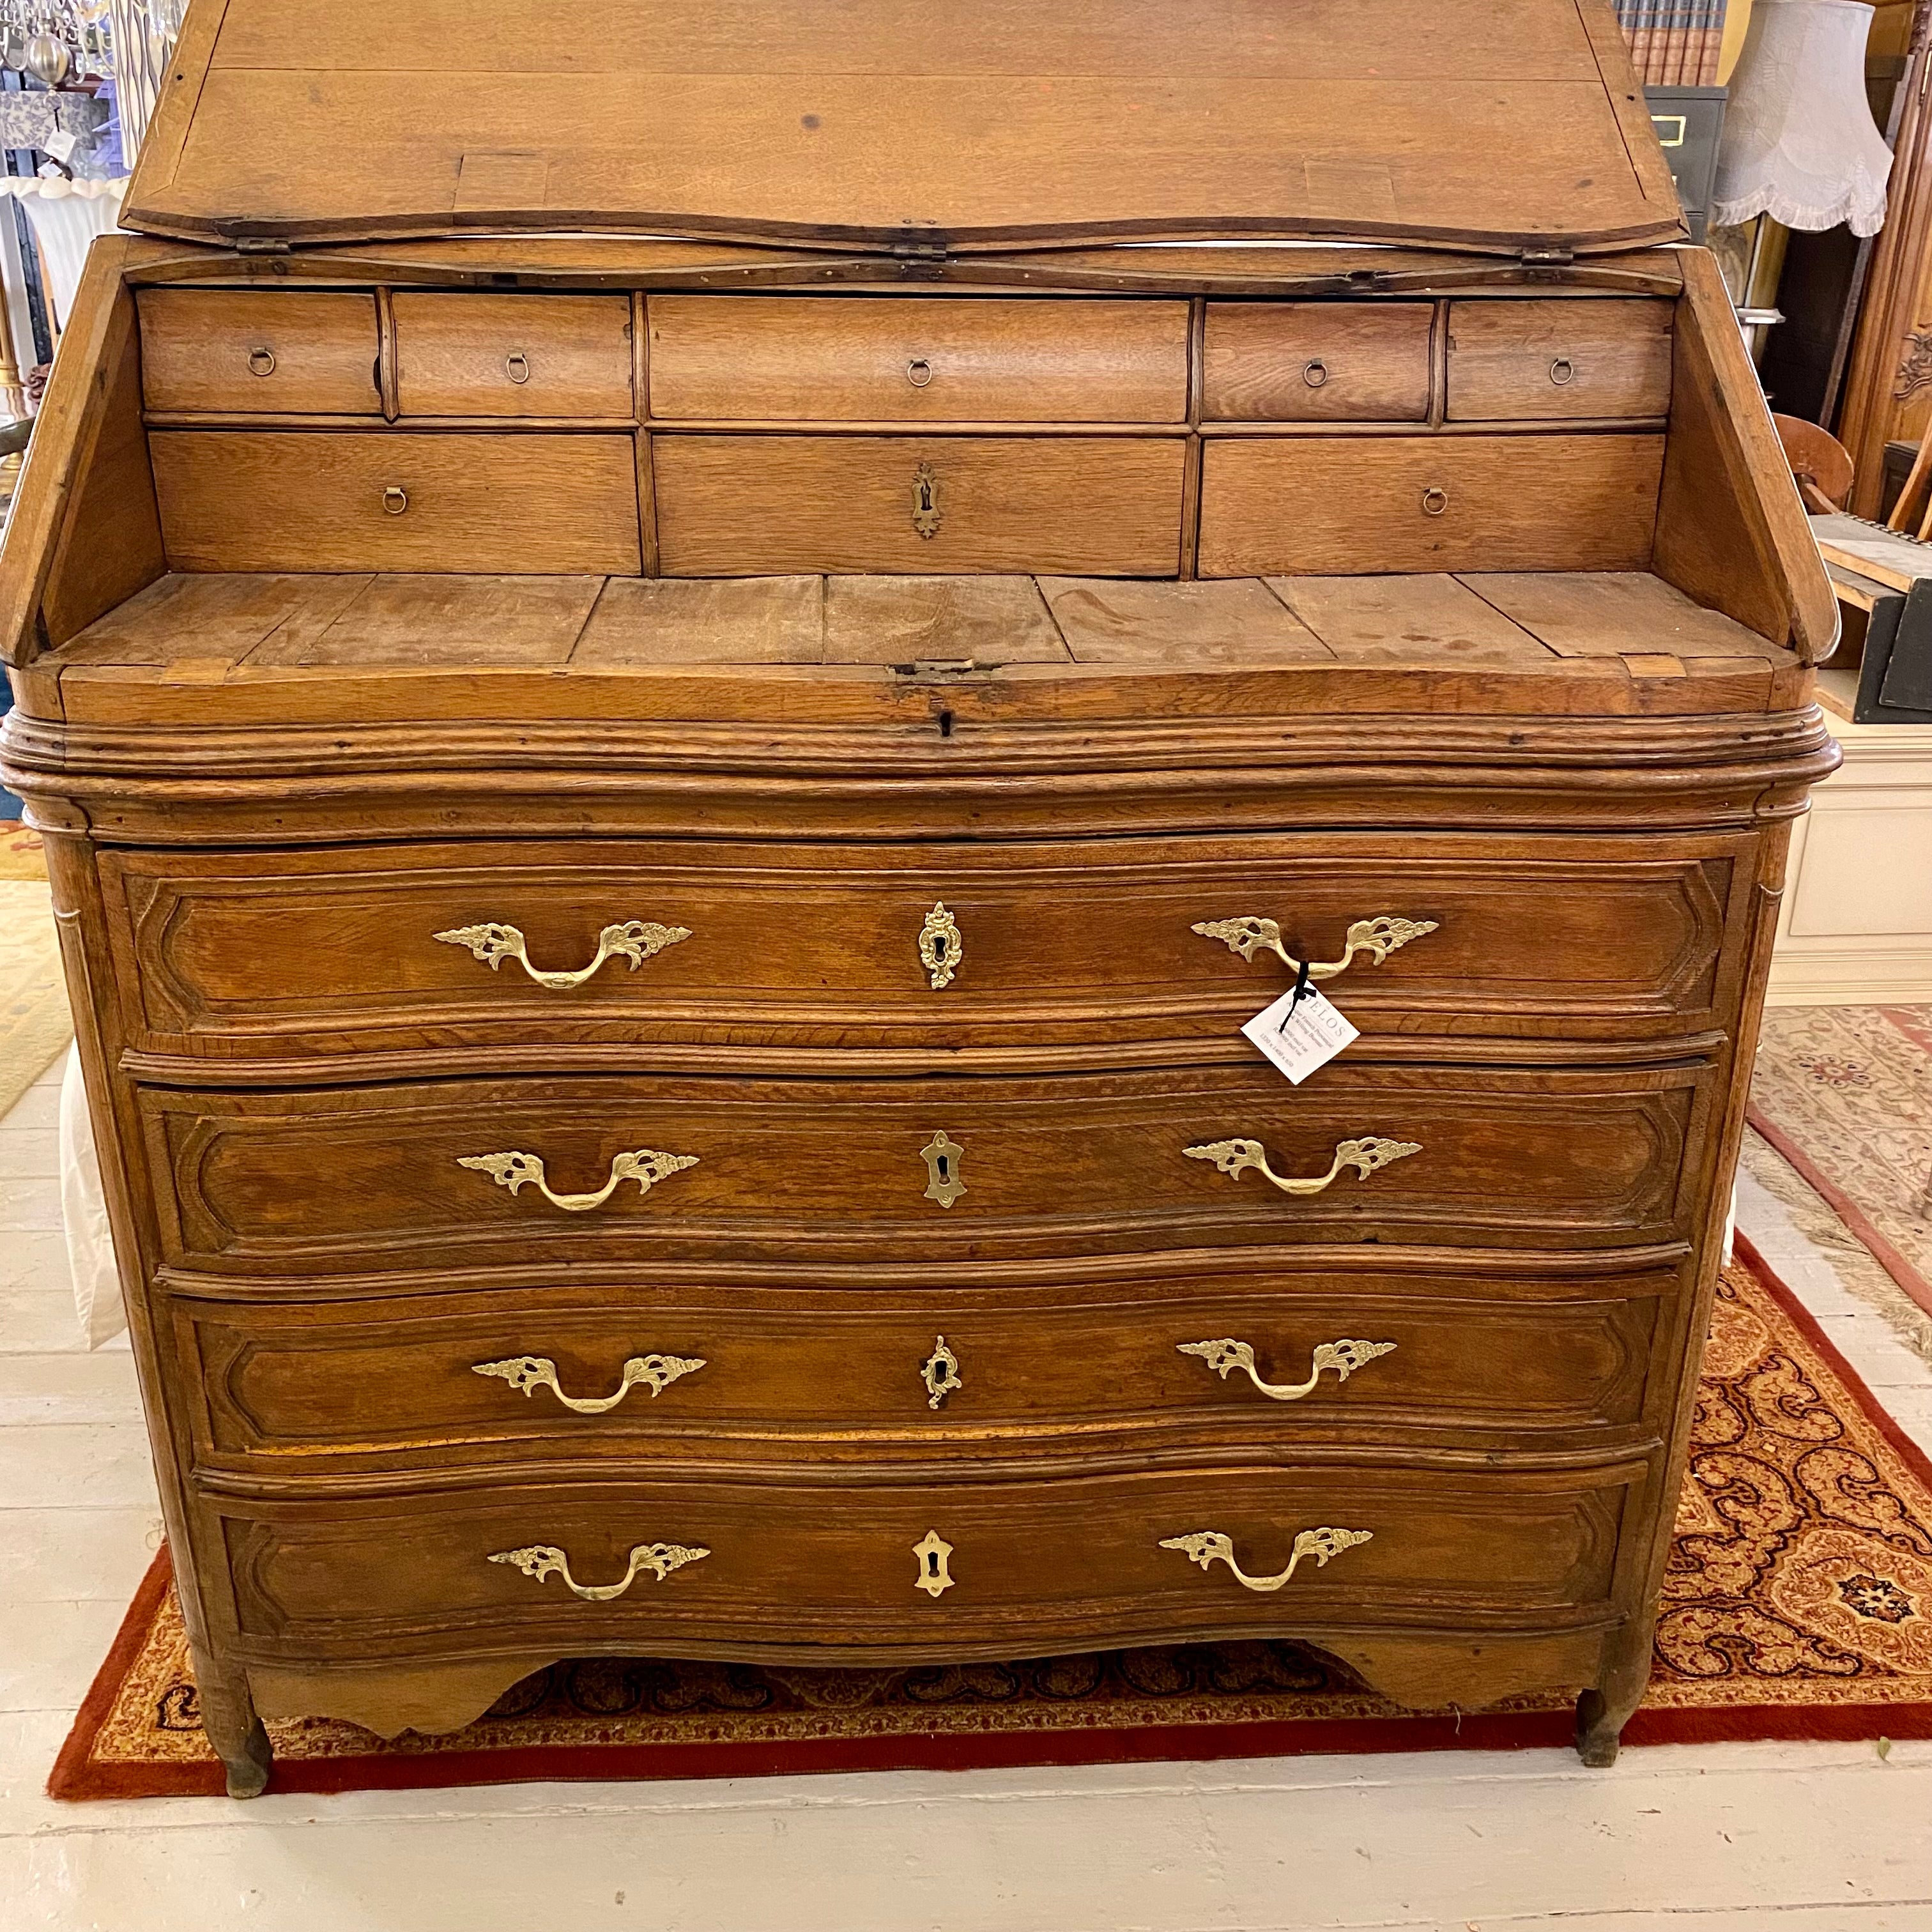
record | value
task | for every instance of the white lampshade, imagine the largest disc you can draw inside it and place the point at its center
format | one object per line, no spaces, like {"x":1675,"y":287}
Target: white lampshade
{"x":1799,"y":144}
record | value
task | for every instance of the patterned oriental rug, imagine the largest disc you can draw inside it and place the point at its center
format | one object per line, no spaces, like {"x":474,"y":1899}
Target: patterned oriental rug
{"x":1798,"y":1604}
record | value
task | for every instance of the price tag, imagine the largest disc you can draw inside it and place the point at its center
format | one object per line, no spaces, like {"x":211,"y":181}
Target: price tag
{"x":1300,"y":1036}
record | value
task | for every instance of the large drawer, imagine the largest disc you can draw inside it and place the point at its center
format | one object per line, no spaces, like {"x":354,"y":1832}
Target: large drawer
{"x":839,"y":358}
{"x":513,"y":355}
{"x":775,"y":506}
{"x":242,"y":351}
{"x":1344,"y":506}
{"x":626,"y":1169}
{"x":433,"y":949}
{"x":354,"y":500}
{"x":1018,"y":1568}
{"x":910,"y":1368}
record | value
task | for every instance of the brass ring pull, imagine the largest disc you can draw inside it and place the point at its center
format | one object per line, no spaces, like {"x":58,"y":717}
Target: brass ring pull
{"x":919,"y":372}
{"x":1207,"y":1547}
{"x":517,"y":367}
{"x":261,"y":362}
{"x":395,"y":499}
{"x":1434,"y":501}
{"x":636,"y":939}
{"x":528,"y":1373}
{"x":1227,"y":1354}
{"x":1314,"y":374}
{"x":646,"y":1167}
{"x":540,"y":1561}
{"x":1236,"y":1158}
{"x":1562,"y":372}
{"x":1378,"y":938}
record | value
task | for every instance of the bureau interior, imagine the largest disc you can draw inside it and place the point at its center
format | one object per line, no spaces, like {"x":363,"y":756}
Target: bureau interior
{"x":1293,"y":457}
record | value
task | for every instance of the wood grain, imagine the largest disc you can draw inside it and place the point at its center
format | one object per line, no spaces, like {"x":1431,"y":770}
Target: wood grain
{"x":762,"y":505}
{"x":773,"y":358}
{"x":1234,"y":621}
{"x":1329,"y":506}
{"x":1559,"y":357}
{"x":1317,"y":361}
{"x":454,"y":355}
{"x":288,"y":500}
{"x":1399,"y":619}
{"x":951,"y":619}
{"x":1588,"y":615}
{"x":196,"y":344}
{"x":746,"y":620}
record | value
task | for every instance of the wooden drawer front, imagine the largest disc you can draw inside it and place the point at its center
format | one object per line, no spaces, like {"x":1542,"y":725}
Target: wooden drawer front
{"x":837,"y":358}
{"x":771,"y":505}
{"x":514,"y":355}
{"x":1045,"y":1564}
{"x":1513,"y":360}
{"x":852,"y":1374}
{"x":232,"y":352}
{"x":324,"y":953}
{"x":370,"y":1177}
{"x":1323,"y":506}
{"x":244,"y":500}
{"x":1317,"y":361}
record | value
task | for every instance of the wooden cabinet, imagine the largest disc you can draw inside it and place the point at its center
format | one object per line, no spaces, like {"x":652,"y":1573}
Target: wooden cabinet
{"x":672,"y":770}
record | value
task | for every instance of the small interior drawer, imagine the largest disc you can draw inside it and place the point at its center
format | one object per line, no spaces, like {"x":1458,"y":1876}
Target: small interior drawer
{"x":514,"y":355}
{"x":1558,"y":357}
{"x":843,"y":359}
{"x":1316,"y":362}
{"x":237,"y":352}
{"x":768,"y":505}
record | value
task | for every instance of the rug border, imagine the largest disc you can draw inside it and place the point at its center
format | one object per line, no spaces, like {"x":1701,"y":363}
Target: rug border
{"x":75,"y":1779}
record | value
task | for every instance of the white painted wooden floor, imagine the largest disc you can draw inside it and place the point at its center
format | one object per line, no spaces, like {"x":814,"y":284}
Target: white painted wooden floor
{"x":1732,"y":1838}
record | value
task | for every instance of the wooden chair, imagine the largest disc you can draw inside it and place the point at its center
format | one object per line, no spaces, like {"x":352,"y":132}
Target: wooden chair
{"x":1820,"y":464}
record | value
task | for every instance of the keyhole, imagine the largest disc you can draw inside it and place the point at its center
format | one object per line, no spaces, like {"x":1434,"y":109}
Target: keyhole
{"x":932,"y":1563}
{"x":939,"y":945}
{"x":945,"y":1168}
{"x":925,"y":495}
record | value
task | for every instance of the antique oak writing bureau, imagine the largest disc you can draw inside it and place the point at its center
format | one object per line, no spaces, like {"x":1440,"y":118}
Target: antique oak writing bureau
{"x":674,"y":748}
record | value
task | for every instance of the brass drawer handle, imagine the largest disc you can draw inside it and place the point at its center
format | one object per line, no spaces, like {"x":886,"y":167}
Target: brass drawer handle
{"x":1207,"y":1547}
{"x":941,"y":1374}
{"x":261,"y":362}
{"x":517,"y":367}
{"x":1562,"y":372}
{"x":636,"y":939}
{"x":1434,"y":501}
{"x":1314,"y":374}
{"x":395,"y":499}
{"x":529,"y":1373}
{"x":646,"y":1167}
{"x":1378,"y":938}
{"x":942,"y":948}
{"x":932,"y":1556}
{"x":1227,"y":1354}
{"x":1235,"y":1158}
{"x":540,"y":1561}
{"x":919,"y":372}
{"x":926,"y":514}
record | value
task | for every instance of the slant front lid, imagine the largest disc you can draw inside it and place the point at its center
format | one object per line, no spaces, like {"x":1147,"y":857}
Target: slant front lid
{"x":1495,"y":124}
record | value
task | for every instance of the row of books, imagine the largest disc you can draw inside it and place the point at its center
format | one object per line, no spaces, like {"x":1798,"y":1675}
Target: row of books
{"x":1673,"y":43}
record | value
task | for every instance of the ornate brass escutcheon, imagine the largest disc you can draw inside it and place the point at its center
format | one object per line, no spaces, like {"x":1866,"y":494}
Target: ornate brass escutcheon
{"x":1207,"y":1547}
{"x":942,"y":950}
{"x":529,"y":1373}
{"x":1236,"y":1158}
{"x":539,"y":1561}
{"x":925,"y":511}
{"x":1378,"y":938}
{"x":1226,"y":1355}
{"x":942,"y":1155}
{"x":941,"y":1374}
{"x":934,"y":1578}
{"x":634,"y":940}
{"x":646,"y":1166}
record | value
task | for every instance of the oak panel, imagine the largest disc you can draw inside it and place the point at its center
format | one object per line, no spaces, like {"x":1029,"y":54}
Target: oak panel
{"x":765,"y":506}
{"x":1509,"y":360}
{"x":460,"y":355}
{"x":314,"y":352}
{"x":872,"y":359}
{"x":290,"y":500}
{"x":369,"y":1178}
{"x":1317,"y":361}
{"x":1331,"y":506}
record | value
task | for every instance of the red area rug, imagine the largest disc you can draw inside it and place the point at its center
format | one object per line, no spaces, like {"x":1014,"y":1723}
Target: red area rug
{"x":1798,"y":1604}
